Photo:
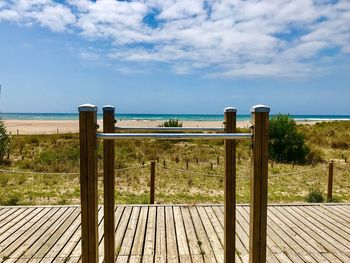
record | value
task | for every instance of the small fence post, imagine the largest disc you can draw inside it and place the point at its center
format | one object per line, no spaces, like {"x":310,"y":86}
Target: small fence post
{"x":330,"y":181}
{"x":230,"y":187}
{"x":153,"y":179}
{"x":108,"y":184}
{"x":258,"y":193}
{"x":186,"y":165}
{"x":88,"y":182}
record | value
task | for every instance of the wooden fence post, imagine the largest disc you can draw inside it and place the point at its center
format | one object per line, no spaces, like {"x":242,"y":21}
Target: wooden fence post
{"x":108,"y":184}
{"x":153,"y":179}
{"x":230,"y":187}
{"x":88,"y":182}
{"x":330,"y":181}
{"x":258,"y":193}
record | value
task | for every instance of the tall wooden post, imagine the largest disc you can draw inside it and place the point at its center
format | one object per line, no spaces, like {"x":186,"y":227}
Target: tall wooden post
{"x":230,"y":186}
{"x":258,"y":193}
{"x":330,"y":181}
{"x":108,"y":184}
{"x":152,"y":183}
{"x":88,"y":182}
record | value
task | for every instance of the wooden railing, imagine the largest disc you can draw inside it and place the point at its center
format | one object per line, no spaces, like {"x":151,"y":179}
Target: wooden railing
{"x":88,"y":178}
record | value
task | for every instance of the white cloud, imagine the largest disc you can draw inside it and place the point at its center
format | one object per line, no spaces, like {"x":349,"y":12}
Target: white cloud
{"x":226,"y":37}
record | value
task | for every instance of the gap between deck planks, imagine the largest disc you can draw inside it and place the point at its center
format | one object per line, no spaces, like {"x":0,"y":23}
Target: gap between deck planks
{"x":176,"y":233}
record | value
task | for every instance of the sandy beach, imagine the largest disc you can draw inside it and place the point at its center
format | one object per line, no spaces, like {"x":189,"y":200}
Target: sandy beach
{"x":72,"y":126}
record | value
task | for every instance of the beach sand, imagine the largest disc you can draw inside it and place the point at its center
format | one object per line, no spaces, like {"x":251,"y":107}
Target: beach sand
{"x":72,"y":126}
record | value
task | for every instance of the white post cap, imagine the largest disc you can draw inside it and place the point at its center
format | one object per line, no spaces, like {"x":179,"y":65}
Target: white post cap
{"x":87,"y":107}
{"x":260,"y":108}
{"x":230,"y":109}
{"x":108,"y":108}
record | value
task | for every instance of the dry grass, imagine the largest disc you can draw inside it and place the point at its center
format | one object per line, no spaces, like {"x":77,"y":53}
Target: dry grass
{"x":198,"y":184}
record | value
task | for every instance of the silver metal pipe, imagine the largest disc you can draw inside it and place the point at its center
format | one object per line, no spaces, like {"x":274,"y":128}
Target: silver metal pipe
{"x":165,"y":129}
{"x":175,"y":136}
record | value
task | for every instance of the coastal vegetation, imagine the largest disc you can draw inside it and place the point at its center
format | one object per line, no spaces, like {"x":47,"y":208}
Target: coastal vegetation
{"x":286,"y":142}
{"x":4,"y":141}
{"x":171,"y":123}
{"x":45,"y":169}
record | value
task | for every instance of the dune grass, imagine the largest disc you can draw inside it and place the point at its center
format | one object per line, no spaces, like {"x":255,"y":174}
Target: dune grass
{"x":174,"y":183}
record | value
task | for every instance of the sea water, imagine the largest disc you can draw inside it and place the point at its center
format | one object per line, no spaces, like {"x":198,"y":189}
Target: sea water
{"x":161,"y":117}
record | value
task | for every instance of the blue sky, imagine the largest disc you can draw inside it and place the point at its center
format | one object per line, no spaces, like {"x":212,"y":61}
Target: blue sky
{"x":175,"y":56}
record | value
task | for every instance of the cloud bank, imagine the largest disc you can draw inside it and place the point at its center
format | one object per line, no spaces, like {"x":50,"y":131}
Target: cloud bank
{"x":228,"y":38}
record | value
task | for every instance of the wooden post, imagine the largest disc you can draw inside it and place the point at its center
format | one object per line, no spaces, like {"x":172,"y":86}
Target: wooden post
{"x":218,"y":160}
{"x":164,"y":163}
{"x":186,"y":165}
{"x":211,"y":166}
{"x":153,"y":179}
{"x":330,"y":181}
{"x":109,"y":184}
{"x":258,"y":192}
{"x":197,"y":160}
{"x":230,"y":187}
{"x":88,"y":182}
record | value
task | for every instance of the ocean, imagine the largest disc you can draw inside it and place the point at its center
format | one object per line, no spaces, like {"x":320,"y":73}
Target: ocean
{"x":161,"y":117}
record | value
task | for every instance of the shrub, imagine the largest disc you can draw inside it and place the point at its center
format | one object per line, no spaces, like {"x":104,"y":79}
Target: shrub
{"x":315,"y":196}
{"x":172,"y":123}
{"x":4,"y":141}
{"x":286,"y":143}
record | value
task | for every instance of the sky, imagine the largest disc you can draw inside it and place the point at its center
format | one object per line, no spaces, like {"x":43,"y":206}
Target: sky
{"x":175,"y":56}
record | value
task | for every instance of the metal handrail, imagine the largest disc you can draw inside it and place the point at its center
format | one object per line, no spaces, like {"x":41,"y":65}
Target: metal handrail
{"x":172,"y":129}
{"x":175,"y":136}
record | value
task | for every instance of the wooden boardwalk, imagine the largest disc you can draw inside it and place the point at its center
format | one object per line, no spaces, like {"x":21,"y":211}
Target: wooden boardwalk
{"x":173,"y":233}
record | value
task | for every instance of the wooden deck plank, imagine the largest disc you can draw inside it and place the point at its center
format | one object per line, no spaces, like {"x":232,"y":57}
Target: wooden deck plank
{"x":7,"y":211}
{"x":139,"y":238}
{"x":51,"y":241}
{"x":62,"y":242}
{"x":312,"y":246}
{"x":181,"y":237}
{"x":179,"y":233}
{"x":202,"y":237}
{"x":10,"y":216}
{"x":301,"y":246}
{"x":328,"y":221}
{"x":121,"y":229}
{"x":71,"y":253}
{"x":171,"y":242}
{"x":216,"y":217}
{"x":125,"y":249}
{"x":338,"y":240}
{"x":150,"y":238}
{"x":336,"y":214}
{"x":212,"y":236}
{"x":14,"y":241}
{"x":17,"y":224}
{"x":273,"y":252}
{"x":44,"y":234}
{"x":315,"y":233}
{"x":26,"y":241}
{"x":191,"y":236}
{"x":160,"y":254}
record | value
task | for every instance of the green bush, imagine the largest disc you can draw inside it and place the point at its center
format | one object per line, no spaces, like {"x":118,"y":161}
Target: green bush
{"x":314,"y":196}
{"x":4,"y":141}
{"x":286,"y":143}
{"x":172,"y":123}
